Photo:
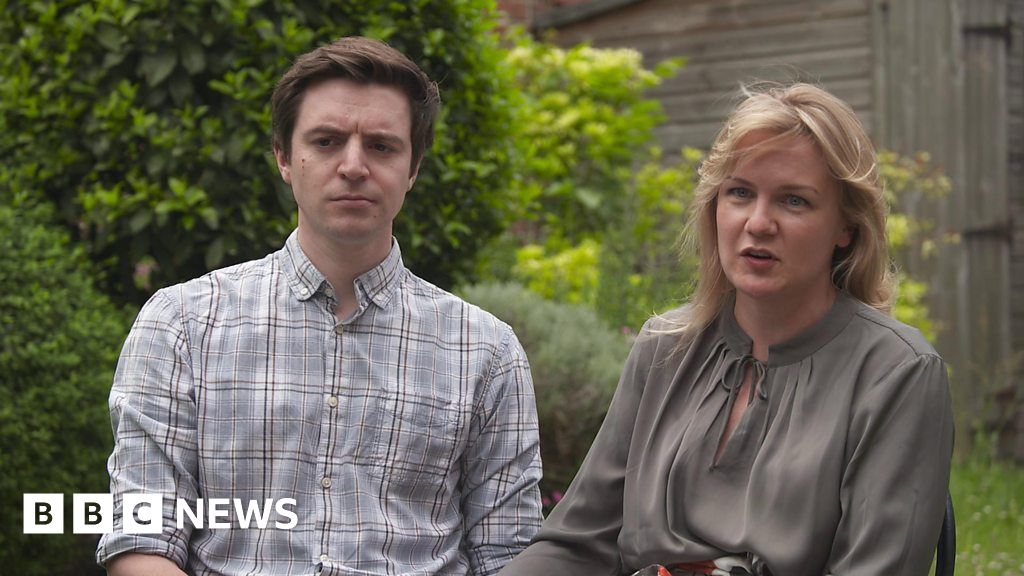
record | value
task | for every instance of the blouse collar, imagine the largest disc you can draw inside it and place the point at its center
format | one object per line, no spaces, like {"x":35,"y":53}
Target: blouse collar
{"x":800,"y":346}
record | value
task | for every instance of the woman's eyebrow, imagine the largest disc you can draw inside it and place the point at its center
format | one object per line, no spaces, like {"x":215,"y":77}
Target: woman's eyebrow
{"x":784,"y":187}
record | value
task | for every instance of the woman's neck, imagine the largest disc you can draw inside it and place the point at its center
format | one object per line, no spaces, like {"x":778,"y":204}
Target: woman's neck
{"x":769,"y":322}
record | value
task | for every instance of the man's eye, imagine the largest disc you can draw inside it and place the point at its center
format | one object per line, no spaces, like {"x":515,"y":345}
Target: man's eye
{"x":381,"y":147}
{"x":323,"y":142}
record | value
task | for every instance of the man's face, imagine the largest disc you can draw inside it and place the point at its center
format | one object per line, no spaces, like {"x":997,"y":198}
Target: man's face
{"x":350,"y":164}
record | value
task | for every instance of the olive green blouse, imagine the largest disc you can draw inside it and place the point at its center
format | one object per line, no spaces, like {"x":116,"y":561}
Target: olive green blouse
{"x":839,"y":466}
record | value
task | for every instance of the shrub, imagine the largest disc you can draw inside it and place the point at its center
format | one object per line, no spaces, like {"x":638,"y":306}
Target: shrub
{"x":908,"y":179}
{"x":148,"y":124}
{"x":635,"y":269}
{"x":59,"y":339}
{"x":575,"y":360}
{"x":599,"y":208}
{"x":584,"y":124}
{"x":570,"y":275}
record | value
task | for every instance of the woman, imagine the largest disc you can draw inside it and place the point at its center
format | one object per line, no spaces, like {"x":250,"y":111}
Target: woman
{"x":782,"y":423}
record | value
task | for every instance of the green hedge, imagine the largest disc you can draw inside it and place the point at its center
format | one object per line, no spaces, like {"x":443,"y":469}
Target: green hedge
{"x":59,"y":340}
{"x":147,"y":122}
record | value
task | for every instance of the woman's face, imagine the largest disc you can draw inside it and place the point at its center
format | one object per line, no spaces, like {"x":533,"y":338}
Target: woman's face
{"x":779,"y":222}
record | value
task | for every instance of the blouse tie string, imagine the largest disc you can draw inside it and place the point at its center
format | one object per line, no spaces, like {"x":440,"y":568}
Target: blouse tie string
{"x":732,"y":381}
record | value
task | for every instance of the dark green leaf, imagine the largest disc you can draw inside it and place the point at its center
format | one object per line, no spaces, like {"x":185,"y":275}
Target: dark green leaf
{"x":157,"y":67}
{"x":192,"y":57}
{"x":215,"y":253}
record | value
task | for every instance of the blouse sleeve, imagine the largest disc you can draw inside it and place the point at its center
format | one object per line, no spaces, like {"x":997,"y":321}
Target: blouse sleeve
{"x":897,"y":473}
{"x":580,"y":535}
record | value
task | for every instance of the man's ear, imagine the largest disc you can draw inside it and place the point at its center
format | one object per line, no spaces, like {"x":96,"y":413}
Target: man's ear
{"x":414,"y":173}
{"x":283,"y":165}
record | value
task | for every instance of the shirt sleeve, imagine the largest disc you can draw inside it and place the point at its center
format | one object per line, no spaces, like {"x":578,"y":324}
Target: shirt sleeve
{"x":153,"y":416}
{"x":502,"y":467}
{"x":580,"y":536}
{"x":897,"y":474}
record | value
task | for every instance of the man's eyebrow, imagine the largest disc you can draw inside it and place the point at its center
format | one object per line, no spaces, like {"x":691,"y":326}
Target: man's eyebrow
{"x":325,"y":129}
{"x":379,"y":135}
{"x":385,"y":136}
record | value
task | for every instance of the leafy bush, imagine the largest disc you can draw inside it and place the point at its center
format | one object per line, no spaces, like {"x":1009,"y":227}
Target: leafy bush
{"x":59,"y":339}
{"x":148,"y":124}
{"x":907,"y":180}
{"x":570,"y":275}
{"x":642,"y":268}
{"x":584,"y":124}
{"x":636,"y":269}
{"x":599,"y":207}
{"x":575,"y":360}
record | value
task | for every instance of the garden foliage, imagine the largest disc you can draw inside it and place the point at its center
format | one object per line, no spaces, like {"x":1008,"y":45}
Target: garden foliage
{"x":599,"y":207}
{"x":59,"y":339}
{"x":584,"y":125}
{"x":910,"y":178}
{"x":147,"y":122}
{"x":575,"y":360}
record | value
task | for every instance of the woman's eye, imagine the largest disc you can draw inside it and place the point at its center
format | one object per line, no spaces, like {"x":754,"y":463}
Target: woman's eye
{"x":792,"y":200}
{"x":739,"y":192}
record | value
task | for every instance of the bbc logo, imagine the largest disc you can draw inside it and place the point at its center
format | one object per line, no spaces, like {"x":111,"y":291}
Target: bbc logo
{"x":92,"y":513}
{"x":143,"y":513}
{"x":44,"y":513}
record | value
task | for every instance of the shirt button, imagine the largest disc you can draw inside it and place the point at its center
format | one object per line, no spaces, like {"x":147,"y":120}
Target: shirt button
{"x":332,"y":401}
{"x":339,"y":329}
{"x":304,"y":291}
{"x":326,"y":482}
{"x":324,"y":557}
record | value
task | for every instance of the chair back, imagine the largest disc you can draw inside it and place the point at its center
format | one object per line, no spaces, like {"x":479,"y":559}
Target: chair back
{"x":945,"y":553}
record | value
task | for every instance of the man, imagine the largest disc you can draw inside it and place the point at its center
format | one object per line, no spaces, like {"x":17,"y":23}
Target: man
{"x":399,"y":419}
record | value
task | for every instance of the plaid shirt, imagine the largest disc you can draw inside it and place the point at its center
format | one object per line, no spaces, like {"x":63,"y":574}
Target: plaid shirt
{"x":407,"y":434}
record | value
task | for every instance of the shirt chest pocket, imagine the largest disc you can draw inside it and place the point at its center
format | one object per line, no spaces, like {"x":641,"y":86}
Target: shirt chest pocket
{"x":417,"y":445}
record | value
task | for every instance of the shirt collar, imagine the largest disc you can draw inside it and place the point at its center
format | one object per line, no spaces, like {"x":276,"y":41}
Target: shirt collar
{"x":798,"y":347}
{"x":377,"y":284}
{"x":303,"y":278}
{"x":380,"y":282}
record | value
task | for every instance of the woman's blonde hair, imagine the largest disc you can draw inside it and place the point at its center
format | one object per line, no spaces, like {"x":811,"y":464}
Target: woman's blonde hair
{"x":796,"y":111}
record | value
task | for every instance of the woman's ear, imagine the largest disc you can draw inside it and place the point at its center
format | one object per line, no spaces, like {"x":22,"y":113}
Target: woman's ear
{"x":845,"y":236}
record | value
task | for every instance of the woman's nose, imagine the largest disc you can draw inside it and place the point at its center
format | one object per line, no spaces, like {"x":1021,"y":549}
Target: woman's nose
{"x":761,"y":221}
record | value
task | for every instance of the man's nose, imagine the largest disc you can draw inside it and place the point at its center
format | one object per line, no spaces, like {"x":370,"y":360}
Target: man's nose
{"x":352,"y":163}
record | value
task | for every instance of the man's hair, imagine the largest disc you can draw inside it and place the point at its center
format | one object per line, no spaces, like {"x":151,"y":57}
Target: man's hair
{"x":807,"y":112}
{"x":361,"y":60}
